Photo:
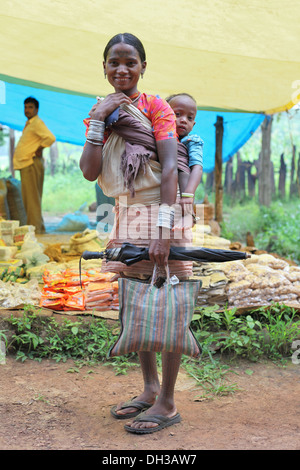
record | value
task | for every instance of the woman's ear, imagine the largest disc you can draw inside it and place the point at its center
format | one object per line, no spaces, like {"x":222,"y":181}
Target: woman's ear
{"x":144,"y":65}
{"x":104,"y":69}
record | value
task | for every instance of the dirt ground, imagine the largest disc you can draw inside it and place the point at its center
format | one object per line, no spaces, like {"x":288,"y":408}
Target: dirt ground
{"x":45,"y":406}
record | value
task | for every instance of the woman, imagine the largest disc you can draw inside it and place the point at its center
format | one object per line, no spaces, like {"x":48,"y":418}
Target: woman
{"x":155,"y":188}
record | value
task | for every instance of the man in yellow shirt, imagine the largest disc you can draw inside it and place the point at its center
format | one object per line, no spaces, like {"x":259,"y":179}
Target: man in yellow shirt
{"x":28,"y":158}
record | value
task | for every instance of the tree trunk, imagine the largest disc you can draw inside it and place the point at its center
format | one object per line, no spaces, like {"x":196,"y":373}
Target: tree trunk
{"x":282,"y":177}
{"x":273,"y":188}
{"x":209,"y":184}
{"x":240,"y":177}
{"x":293,"y":182}
{"x":264,"y":186}
{"x":53,"y":157}
{"x":228,"y":177}
{"x":298,"y":176}
{"x":251,"y":178}
{"x":218,"y":169}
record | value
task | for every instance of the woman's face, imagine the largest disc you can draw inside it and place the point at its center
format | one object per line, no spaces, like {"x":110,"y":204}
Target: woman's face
{"x":123,"y":67}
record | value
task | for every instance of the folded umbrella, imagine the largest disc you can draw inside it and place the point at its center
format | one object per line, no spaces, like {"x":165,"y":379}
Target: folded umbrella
{"x":130,"y":254}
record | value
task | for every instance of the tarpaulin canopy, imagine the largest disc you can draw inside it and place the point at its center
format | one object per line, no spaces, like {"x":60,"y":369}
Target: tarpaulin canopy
{"x":64,"y":113}
{"x":236,"y":58}
{"x":229,"y":54}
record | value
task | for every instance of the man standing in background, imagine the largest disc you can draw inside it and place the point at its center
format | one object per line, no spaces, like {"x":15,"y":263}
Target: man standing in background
{"x":28,"y":158}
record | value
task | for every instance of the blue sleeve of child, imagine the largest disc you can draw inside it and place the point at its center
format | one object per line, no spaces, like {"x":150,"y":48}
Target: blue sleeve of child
{"x":194,"y":146}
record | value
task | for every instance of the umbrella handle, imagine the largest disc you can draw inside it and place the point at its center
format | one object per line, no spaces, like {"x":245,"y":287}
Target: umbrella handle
{"x":92,"y":255}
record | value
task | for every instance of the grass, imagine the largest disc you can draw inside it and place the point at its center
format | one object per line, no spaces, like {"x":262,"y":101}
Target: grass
{"x":67,"y":193}
{"x":224,"y":337}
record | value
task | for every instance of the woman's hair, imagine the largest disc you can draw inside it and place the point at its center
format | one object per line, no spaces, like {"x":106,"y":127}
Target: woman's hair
{"x":31,"y":99}
{"x":129,"y":39}
{"x":169,"y":98}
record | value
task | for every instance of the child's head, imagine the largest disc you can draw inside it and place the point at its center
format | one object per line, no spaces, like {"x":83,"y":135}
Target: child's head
{"x":185,"y":109}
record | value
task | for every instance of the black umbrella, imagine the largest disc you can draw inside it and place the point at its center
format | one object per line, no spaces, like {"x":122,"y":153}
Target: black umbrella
{"x":130,"y":254}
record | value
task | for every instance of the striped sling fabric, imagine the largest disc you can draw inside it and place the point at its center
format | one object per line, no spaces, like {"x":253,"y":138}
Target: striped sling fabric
{"x":156,"y":319}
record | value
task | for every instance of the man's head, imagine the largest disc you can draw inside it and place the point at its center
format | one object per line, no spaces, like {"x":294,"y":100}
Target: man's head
{"x":31,"y":107}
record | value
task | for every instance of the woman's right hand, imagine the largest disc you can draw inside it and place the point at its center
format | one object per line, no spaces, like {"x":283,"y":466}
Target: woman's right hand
{"x":104,"y":107}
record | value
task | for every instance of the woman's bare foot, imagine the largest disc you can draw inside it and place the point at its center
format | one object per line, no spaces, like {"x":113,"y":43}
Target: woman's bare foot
{"x":146,"y":397}
{"x":168,"y":411}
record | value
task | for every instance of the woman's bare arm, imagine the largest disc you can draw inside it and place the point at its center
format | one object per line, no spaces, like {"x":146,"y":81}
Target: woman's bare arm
{"x":167,"y":155}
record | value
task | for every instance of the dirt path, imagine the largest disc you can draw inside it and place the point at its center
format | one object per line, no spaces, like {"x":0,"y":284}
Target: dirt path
{"x":45,"y":407}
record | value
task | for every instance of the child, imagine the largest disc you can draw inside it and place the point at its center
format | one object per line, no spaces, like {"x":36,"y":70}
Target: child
{"x":185,"y":109}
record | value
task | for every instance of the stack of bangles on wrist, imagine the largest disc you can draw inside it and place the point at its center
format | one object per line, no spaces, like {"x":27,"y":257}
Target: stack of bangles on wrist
{"x":166,"y":216}
{"x":95,"y":133}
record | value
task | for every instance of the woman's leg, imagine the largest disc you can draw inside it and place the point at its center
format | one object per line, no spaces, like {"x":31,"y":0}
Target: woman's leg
{"x":164,"y":404}
{"x":151,"y":382}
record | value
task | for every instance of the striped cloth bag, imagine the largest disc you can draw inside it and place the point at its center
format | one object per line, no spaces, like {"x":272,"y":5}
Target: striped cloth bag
{"x":156,"y":319}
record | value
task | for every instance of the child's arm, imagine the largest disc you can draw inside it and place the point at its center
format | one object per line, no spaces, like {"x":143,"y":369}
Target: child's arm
{"x":188,"y":185}
{"x":193,"y":180}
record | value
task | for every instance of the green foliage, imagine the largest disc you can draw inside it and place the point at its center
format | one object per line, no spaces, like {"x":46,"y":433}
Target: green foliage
{"x":264,"y":332}
{"x":37,"y":337}
{"x":66,"y":193}
{"x":275,"y":228}
{"x":223,"y":334}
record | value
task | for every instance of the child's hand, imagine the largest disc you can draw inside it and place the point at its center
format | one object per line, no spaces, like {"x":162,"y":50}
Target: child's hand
{"x":186,"y":220}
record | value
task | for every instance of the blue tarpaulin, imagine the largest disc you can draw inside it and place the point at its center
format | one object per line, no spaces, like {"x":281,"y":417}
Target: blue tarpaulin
{"x":63,"y":114}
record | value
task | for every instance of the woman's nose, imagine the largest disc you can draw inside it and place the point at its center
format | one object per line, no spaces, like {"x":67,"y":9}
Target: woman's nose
{"x":122,"y":69}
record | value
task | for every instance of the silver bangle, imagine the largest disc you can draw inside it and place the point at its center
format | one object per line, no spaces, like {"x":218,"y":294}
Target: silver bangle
{"x":96,"y":130}
{"x":165,"y":217}
{"x":94,"y":143}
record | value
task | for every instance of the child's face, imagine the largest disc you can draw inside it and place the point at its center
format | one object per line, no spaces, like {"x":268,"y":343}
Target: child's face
{"x":185,"y":110}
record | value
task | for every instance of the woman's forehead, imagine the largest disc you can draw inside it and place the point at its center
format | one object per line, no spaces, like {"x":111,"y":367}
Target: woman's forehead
{"x":122,"y":50}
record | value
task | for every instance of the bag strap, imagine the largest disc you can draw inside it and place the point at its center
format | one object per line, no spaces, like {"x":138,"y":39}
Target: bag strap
{"x":155,"y":272}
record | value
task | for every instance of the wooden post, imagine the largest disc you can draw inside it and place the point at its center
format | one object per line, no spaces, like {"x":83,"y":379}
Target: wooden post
{"x":11,"y":150}
{"x":218,"y":169}
{"x":264,"y":180}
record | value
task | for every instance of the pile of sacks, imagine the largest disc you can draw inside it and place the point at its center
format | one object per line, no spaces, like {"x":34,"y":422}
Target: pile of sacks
{"x":70,"y":290}
{"x":214,"y":282}
{"x":20,"y":251}
{"x":260,"y":280}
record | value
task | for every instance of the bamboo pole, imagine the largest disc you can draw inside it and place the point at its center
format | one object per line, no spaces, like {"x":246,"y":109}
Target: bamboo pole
{"x":218,"y":169}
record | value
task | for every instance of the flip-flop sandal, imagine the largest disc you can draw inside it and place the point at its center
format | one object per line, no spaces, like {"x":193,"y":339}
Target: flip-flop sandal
{"x":162,"y":422}
{"x":139,"y":405}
